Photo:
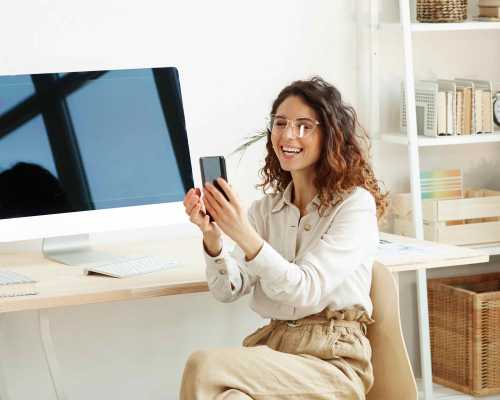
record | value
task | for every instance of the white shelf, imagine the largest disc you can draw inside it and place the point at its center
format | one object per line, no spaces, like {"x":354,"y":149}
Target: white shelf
{"x":424,"y":141}
{"x":461,"y":26}
{"x":443,"y":393}
{"x":493,"y":249}
{"x":440,"y":27}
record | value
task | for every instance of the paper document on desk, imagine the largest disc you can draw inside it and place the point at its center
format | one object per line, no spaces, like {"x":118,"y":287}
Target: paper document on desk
{"x":391,"y":253}
{"x":14,"y":284}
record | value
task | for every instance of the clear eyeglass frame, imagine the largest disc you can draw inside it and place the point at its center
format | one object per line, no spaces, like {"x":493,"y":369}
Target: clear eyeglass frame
{"x":301,"y":127}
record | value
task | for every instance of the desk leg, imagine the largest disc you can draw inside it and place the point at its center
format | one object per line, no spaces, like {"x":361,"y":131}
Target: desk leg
{"x":50,"y":355}
{"x":4,"y":394}
{"x":395,"y":275}
{"x":424,"y":334}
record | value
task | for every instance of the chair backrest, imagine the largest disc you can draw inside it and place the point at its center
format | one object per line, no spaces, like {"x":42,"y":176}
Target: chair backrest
{"x":394,"y":379}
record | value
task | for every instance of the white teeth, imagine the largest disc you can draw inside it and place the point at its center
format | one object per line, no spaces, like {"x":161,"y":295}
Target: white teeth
{"x":292,"y":149}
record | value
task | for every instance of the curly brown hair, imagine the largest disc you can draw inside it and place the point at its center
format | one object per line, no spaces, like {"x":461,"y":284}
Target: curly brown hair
{"x":343,"y":163}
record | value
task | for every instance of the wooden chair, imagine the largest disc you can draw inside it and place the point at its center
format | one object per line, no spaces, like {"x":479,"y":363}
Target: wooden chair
{"x":394,"y":379}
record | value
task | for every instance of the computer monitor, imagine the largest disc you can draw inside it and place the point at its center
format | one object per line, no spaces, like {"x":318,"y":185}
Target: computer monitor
{"x":90,"y":151}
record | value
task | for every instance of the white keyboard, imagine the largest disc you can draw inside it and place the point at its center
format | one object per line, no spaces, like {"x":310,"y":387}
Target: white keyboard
{"x":131,"y":267}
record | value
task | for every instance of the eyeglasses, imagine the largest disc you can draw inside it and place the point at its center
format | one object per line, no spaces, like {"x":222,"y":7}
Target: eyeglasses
{"x":301,"y":127}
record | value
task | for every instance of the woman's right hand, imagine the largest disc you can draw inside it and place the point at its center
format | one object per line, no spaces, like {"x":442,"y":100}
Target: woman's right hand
{"x":195,"y":209}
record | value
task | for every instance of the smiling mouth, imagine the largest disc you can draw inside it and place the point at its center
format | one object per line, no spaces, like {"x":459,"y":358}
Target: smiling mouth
{"x":289,"y":150}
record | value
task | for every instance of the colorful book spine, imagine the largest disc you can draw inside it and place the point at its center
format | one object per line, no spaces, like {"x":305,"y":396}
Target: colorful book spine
{"x":441,"y":184}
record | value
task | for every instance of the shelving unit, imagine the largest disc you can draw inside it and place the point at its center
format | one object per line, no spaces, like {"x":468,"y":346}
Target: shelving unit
{"x":407,"y":28}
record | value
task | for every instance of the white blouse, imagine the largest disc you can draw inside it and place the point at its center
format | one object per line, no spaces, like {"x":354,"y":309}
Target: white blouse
{"x":306,"y":264}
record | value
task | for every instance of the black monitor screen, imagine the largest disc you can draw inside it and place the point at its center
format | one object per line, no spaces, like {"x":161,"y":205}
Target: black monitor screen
{"x":91,"y":140}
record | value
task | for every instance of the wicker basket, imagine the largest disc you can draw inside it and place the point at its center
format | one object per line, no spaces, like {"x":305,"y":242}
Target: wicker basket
{"x":441,"y":10}
{"x":464,"y":317}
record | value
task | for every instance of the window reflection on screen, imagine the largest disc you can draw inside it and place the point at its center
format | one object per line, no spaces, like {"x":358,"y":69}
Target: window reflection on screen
{"x":103,"y":139}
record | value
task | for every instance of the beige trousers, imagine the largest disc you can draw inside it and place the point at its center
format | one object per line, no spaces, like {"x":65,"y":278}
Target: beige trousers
{"x":324,"y":356}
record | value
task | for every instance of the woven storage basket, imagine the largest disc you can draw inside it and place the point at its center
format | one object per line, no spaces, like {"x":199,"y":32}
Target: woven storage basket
{"x":441,"y":10}
{"x":464,"y":317}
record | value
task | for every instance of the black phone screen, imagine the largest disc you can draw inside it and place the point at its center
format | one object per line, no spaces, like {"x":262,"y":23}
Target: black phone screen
{"x":211,"y":169}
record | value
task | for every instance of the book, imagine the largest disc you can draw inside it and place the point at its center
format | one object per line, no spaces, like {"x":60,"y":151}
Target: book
{"x":467,"y":117}
{"x":478,"y":116}
{"x":470,"y":87}
{"x":441,"y":184}
{"x":450,"y":88}
{"x":489,"y":3}
{"x":492,"y":12}
{"x":15,"y":284}
{"x":441,"y":113}
{"x":487,"y":112}
{"x":450,"y":128}
{"x":478,"y":110}
{"x":460,"y":112}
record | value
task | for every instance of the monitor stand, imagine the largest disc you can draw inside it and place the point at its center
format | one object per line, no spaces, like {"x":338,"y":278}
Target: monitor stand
{"x":75,"y":250}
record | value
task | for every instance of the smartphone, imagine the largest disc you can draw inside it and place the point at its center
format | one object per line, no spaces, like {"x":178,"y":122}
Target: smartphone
{"x":211,"y":169}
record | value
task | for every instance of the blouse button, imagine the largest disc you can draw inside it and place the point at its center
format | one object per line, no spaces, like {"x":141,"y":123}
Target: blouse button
{"x":307,"y":227}
{"x":218,"y":261}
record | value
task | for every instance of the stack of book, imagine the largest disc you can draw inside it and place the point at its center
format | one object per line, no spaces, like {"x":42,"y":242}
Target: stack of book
{"x":452,"y":107}
{"x":489,"y":9}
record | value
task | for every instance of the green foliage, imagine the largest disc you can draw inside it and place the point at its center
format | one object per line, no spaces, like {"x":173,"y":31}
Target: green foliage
{"x":249,"y":141}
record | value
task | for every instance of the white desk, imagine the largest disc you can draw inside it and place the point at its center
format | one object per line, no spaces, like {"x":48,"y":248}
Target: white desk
{"x":443,"y":256}
{"x":60,"y":285}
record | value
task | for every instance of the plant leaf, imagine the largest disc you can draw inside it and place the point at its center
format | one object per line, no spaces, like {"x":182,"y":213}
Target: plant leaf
{"x":250,"y":140}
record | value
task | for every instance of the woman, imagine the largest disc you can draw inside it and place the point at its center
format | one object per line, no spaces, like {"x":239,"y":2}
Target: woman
{"x":306,"y":253}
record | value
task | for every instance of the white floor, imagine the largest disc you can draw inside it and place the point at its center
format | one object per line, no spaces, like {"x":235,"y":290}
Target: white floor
{"x":444,"y":393}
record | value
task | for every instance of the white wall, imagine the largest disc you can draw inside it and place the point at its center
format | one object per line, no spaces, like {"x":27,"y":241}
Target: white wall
{"x":233,"y":58}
